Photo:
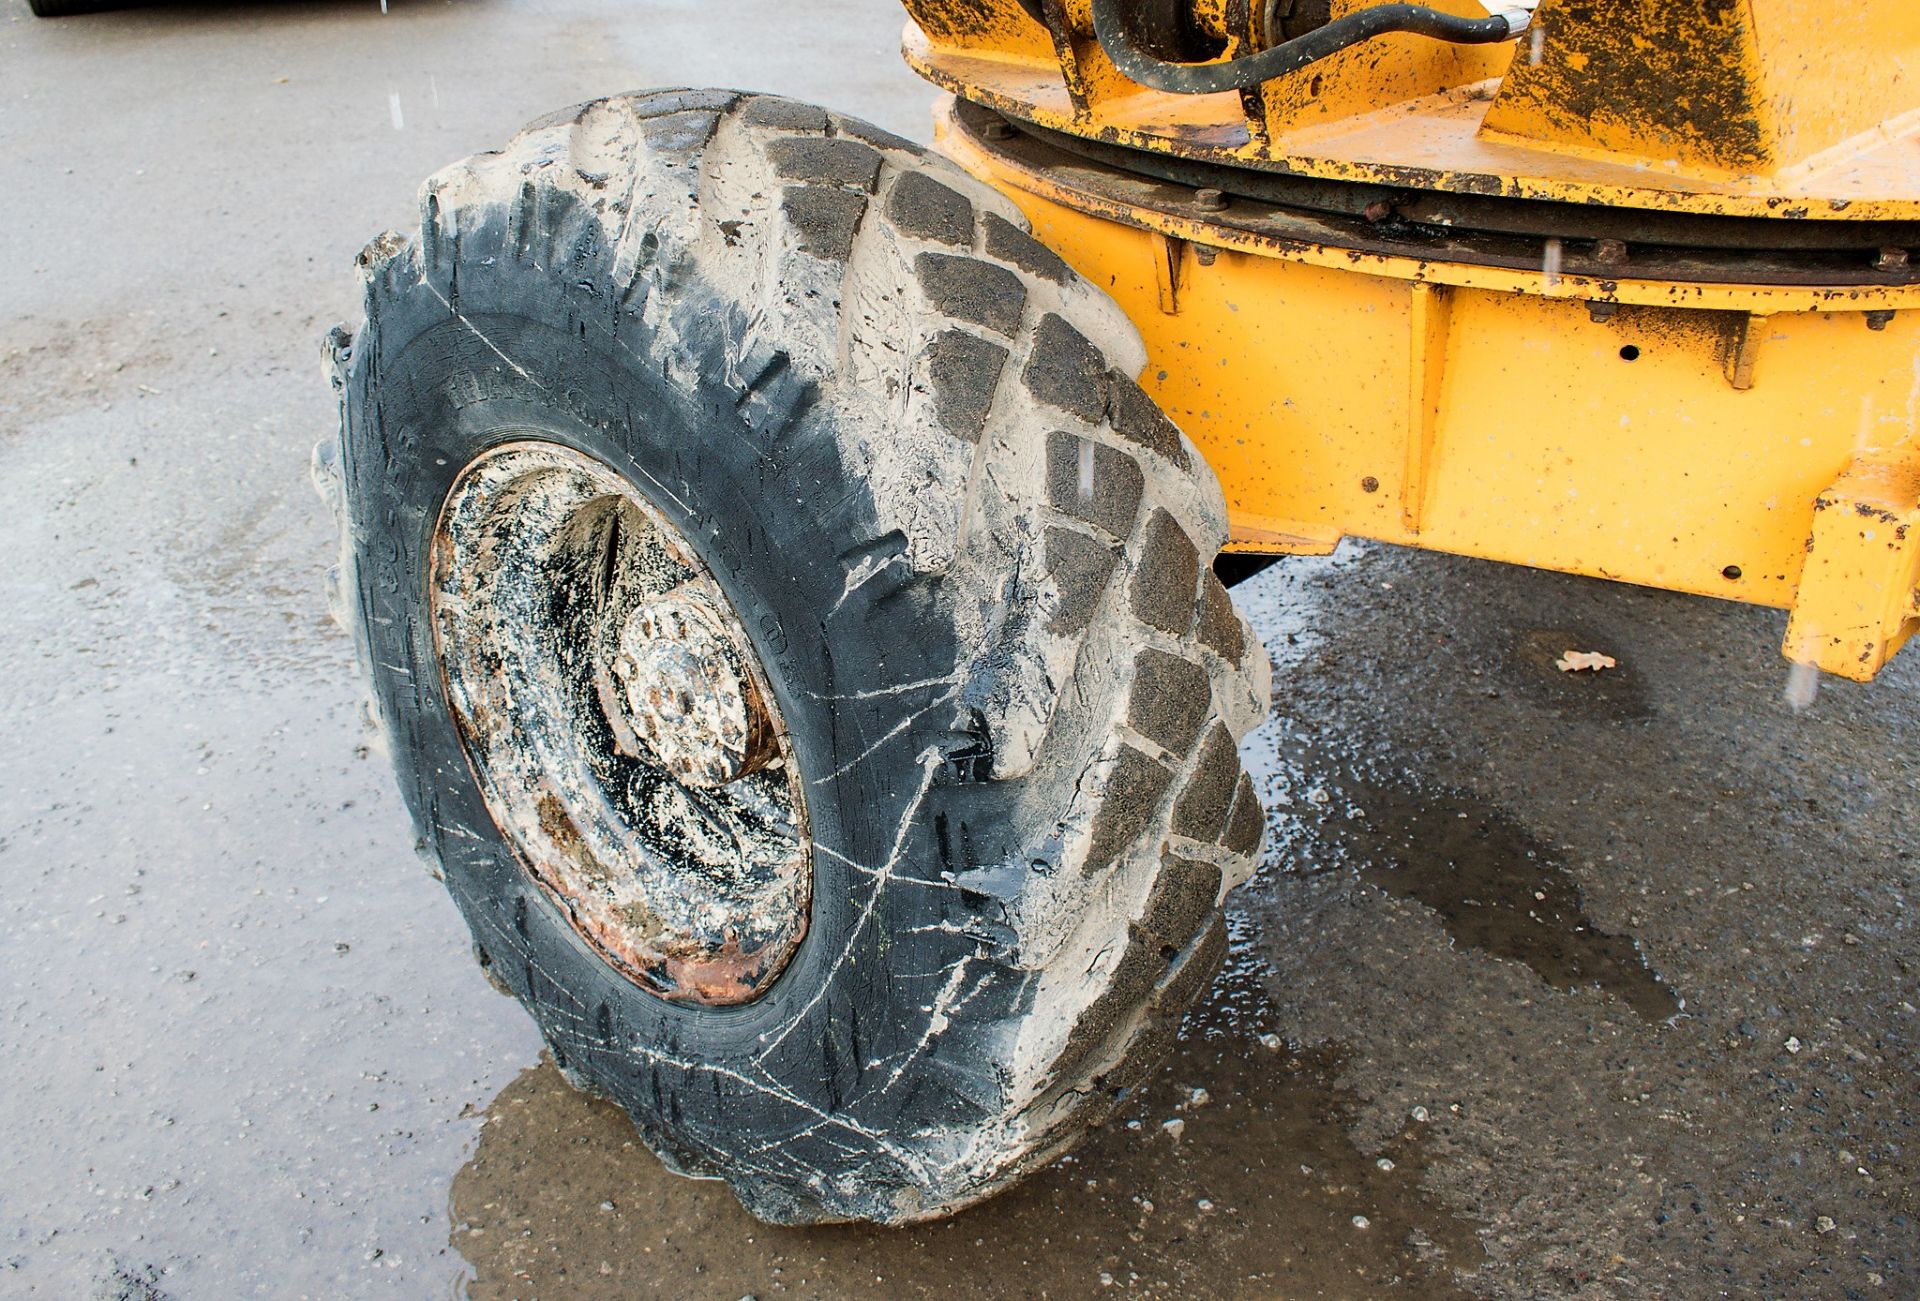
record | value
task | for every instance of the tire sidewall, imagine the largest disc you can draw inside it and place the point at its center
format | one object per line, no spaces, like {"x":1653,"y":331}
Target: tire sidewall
{"x":446,"y":393}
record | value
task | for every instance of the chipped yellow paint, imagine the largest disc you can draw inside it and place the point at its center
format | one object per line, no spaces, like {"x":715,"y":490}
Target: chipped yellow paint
{"x":1746,"y":441}
{"x":1387,"y":70}
{"x":1741,"y":90}
{"x":1221,"y":234}
{"x":1680,"y":442}
{"x":1799,"y":108}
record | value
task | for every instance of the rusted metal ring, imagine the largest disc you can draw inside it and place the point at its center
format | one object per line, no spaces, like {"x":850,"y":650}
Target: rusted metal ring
{"x":619,"y":723}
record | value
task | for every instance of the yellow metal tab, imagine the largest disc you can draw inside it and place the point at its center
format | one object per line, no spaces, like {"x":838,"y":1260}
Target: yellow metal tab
{"x":1856,"y":602}
{"x":1429,"y":316}
{"x":1169,"y":252}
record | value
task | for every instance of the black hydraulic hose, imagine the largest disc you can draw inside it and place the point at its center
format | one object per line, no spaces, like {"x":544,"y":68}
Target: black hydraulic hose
{"x":1289,"y":56}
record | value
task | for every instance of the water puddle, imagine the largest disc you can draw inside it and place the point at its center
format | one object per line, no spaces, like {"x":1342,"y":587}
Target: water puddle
{"x":1494,"y":885}
{"x":1232,"y":1174}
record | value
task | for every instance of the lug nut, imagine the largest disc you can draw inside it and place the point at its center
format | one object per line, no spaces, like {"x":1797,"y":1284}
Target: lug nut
{"x":1209,"y":199}
{"x":1891,"y":259}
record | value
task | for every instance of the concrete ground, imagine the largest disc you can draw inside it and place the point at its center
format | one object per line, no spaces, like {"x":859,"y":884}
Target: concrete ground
{"x":1549,"y":985}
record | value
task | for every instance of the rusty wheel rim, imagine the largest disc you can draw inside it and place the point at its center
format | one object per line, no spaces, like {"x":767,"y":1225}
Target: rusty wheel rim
{"x":619,"y":723}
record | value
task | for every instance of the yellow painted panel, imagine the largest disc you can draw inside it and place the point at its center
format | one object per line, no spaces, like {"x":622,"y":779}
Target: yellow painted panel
{"x":1668,"y":81}
{"x":1388,"y":69}
{"x":1747,"y":90}
{"x":1835,"y":73}
{"x":1436,"y":141}
{"x":1617,"y":448}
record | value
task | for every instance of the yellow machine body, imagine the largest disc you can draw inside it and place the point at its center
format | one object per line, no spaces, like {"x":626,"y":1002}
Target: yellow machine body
{"x":1697,"y":417}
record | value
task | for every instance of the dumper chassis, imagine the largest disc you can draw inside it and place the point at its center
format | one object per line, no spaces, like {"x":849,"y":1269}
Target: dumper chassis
{"x":788,"y":564}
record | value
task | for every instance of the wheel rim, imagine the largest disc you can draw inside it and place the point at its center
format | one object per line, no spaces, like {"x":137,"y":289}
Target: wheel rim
{"x":619,"y":723}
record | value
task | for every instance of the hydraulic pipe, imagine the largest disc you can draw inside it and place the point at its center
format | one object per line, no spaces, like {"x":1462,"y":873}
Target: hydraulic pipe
{"x":1290,"y":56}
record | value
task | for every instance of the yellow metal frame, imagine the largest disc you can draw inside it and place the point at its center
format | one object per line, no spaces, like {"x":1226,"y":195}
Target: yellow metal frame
{"x":1741,"y":440}
{"x":1484,"y":411}
{"x":1755,"y":107}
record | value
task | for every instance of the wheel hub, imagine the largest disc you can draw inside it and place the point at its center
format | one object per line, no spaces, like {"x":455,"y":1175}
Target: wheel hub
{"x":619,"y":725}
{"x":686,"y":693}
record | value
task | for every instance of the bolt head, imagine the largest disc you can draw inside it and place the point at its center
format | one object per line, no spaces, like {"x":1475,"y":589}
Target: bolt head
{"x":1208,"y":199}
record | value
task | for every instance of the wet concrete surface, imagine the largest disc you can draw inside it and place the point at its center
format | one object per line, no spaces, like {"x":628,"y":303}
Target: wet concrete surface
{"x":1551,"y":984}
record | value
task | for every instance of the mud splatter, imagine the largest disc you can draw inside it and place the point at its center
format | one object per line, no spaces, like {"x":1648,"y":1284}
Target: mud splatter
{"x":123,"y":1282}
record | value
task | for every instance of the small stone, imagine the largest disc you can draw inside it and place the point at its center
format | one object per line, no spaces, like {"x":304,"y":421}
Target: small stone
{"x":1271,"y":1042}
{"x":1575,"y":661}
{"x":1175,"y":1127}
{"x":1206,"y":1205}
{"x":1198,"y":1098}
{"x":1825,"y":1224}
{"x":1106,"y":1279}
{"x":606,"y":1206}
{"x":1384,"y":1164}
{"x":1362,"y":1222}
{"x":1419,"y":1114}
{"x":1793,"y":1044}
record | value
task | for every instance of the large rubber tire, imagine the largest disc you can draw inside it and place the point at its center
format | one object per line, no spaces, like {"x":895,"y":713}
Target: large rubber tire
{"x":848,"y":374}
